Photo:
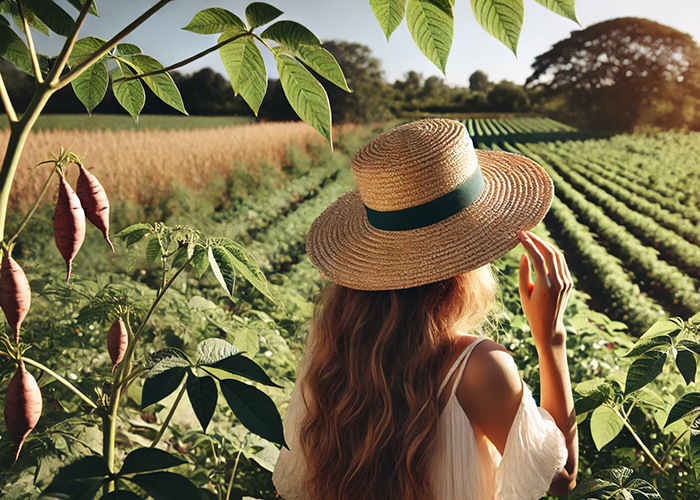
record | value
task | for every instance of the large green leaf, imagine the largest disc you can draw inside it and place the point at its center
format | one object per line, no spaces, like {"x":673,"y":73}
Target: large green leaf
{"x":134,"y":233}
{"x":215,"y":20}
{"x":127,"y":49}
{"x":244,"y":367}
{"x":695,"y":446}
{"x":645,"y":344}
{"x":83,"y":468}
{"x":222,"y":267}
{"x":161,"y":84}
{"x":256,"y":411}
{"x":13,"y":49}
{"x":167,"y":486}
{"x":290,"y":34}
{"x":687,"y":405}
{"x":685,"y":361}
{"x":662,"y":327}
{"x":564,"y":8}
{"x":153,"y":249}
{"x":148,"y":460}
{"x":307,"y":97}
{"x":203,"y":394}
{"x":211,"y":351}
{"x":323,"y":63}
{"x":431,"y":24}
{"x":78,"y":4}
{"x":200,"y":261}
{"x":79,"y":480}
{"x":690,"y":345}
{"x":605,"y":426}
{"x":307,"y":47}
{"x":84,"y":48}
{"x":245,"y":67}
{"x":80,"y":489}
{"x":163,"y":380}
{"x":246,"y":266}
{"x":91,"y":85}
{"x":502,"y":18}
{"x":644,"y":370}
{"x":52,"y":15}
{"x":33,"y":22}
{"x":259,"y":14}
{"x":130,"y":94}
{"x":389,"y":13}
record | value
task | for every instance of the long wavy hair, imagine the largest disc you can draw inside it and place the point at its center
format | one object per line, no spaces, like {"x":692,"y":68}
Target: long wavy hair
{"x":371,"y":384}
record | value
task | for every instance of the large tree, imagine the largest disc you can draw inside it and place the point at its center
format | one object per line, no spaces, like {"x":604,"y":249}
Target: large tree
{"x":625,"y":73}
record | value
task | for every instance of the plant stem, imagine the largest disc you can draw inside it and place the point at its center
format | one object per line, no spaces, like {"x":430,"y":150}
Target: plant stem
{"x":185,"y":62}
{"x":15,"y":146}
{"x":639,"y":441}
{"x":9,"y":108}
{"x":233,"y":474}
{"x":67,"y":48}
{"x":55,"y":375}
{"x":675,"y":441}
{"x":166,"y":422}
{"x":109,"y":45}
{"x":160,"y":295}
{"x":32,"y":210}
{"x":30,"y":43}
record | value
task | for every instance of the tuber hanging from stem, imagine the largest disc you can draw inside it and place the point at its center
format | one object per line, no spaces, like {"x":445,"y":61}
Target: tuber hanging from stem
{"x":15,"y":294}
{"x":68,"y":224}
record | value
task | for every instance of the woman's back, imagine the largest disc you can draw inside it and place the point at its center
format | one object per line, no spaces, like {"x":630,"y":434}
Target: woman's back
{"x":467,"y":464}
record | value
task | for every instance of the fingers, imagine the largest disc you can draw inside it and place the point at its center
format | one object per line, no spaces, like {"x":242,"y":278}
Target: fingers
{"x":535,"y":255}
{"x":559,"y":273}
{"x":525,"y":284}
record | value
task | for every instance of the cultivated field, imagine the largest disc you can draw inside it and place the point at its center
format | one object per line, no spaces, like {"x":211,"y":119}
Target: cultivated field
{"x":143,"y":165}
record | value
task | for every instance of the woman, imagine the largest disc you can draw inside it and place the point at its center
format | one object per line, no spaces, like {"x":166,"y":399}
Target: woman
{"x":395,"y":399}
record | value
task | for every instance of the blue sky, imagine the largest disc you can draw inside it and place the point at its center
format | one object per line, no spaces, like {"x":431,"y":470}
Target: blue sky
{"x":352,"y":20}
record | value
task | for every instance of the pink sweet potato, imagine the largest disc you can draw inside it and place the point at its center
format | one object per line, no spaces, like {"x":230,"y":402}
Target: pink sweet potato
{"x":15,"y":294}
{"x":117,"y":341}
{"x":22,"y":407}
{"x":68,"y":224}
{"x":94,"y":201}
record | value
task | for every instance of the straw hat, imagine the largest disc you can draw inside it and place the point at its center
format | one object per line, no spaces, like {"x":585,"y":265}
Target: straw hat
{"x":427,"y":207}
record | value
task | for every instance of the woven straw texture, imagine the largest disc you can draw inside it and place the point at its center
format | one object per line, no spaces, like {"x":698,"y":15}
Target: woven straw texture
{"x":411,"y":165}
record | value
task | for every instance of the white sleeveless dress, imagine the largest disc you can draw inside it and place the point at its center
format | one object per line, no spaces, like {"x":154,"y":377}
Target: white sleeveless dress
{"x":464,"y":468}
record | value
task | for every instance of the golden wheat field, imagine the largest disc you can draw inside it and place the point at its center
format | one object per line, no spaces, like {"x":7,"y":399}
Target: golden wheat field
{"x":143,"y":165}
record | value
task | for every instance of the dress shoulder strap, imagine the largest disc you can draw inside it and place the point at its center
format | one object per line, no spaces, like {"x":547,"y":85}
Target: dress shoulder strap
{"x":464,"y":357}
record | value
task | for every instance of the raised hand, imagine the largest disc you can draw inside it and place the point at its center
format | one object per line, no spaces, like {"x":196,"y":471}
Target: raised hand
{"x":544,"y":301}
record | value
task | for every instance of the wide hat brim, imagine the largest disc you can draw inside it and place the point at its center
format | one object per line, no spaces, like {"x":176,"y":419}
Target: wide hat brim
{"x":348,"y":251}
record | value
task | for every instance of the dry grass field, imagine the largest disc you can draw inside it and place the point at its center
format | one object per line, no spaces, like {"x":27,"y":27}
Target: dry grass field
{"x":143,"y":165}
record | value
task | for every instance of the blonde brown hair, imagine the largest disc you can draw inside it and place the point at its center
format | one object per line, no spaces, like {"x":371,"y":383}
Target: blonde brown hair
{"x":371,"y":384}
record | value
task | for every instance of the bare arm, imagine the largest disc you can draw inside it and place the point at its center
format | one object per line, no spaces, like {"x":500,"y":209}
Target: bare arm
{"x":544,"y":303}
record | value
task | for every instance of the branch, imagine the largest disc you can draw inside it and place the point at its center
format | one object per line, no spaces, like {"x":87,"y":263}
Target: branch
{"x":24,"y":222}
{"x":9,"y":108}
{"x":184,"y":62}
{"x":109,"y":45}
{"x":55,"y":375}
{"x":166,"y":422}
{"x":57,"y":69}
{"x":30,"y":42}
{"x":640,"y":442}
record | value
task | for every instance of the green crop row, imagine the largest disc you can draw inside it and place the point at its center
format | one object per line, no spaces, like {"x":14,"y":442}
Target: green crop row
{"x":680,"y":287}
{"x":684,"y":254}
{"x":282,"y":243}
{"x":667,"y":219}
{"x":668,"y":162}
{"x":630,"y":181}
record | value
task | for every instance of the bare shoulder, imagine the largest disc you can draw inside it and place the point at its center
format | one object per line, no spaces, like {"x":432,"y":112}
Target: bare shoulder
{"x":491,"y":390}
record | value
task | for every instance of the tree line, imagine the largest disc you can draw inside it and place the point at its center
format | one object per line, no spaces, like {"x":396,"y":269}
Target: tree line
{"x":620,"y":75}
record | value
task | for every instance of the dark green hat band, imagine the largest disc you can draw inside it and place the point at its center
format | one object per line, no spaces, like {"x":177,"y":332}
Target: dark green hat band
{"x":431,"y":212}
